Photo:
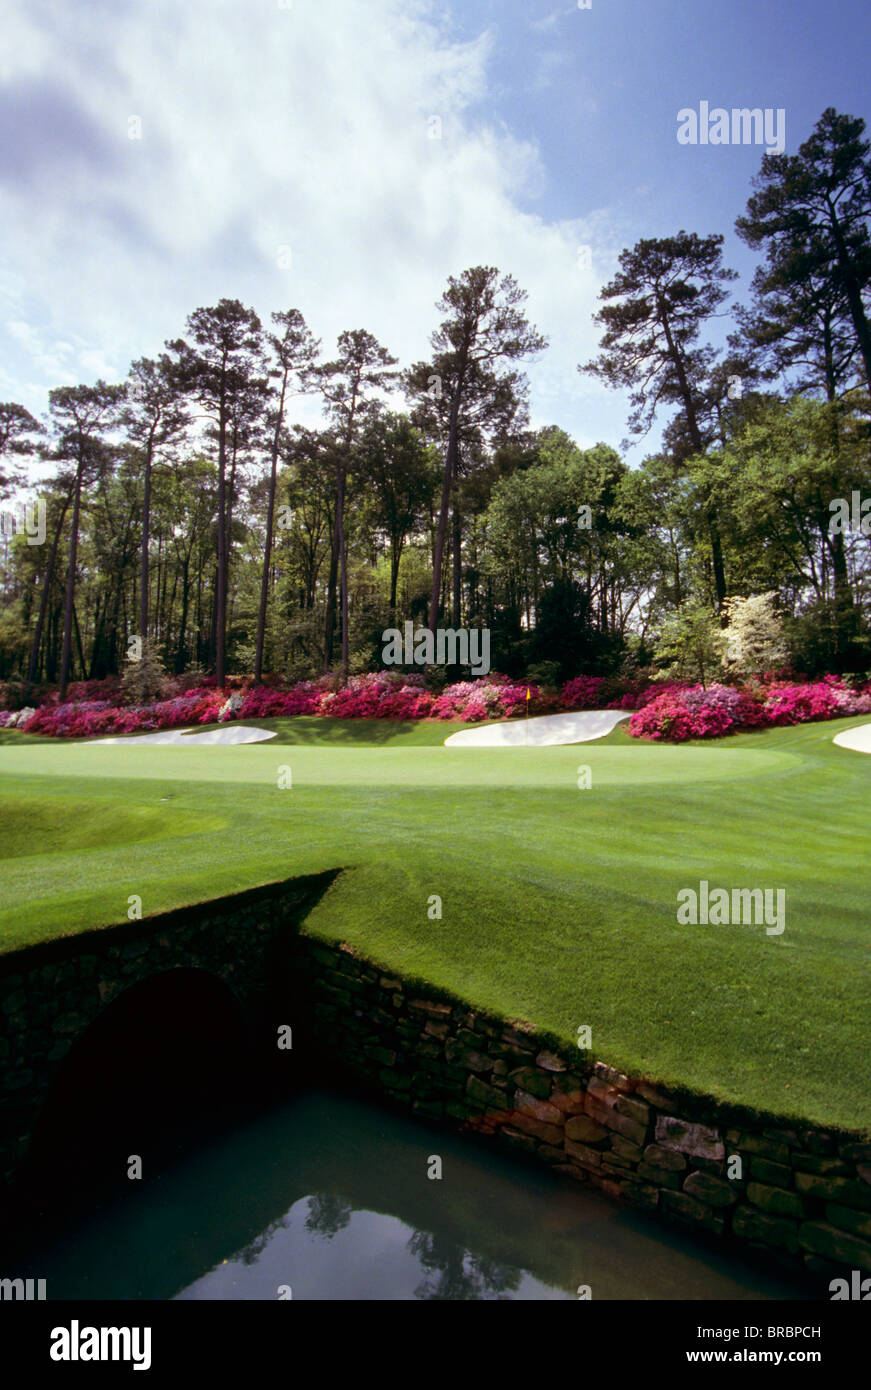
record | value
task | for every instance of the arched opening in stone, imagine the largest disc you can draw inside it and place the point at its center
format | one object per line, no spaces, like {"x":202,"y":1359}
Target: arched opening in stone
{"x":165,"y":1062}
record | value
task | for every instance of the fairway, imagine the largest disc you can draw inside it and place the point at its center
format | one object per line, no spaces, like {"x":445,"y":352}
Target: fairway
{"x":558,"y":900}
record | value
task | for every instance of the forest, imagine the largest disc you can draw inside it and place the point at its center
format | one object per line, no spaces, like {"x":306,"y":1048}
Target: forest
{"x":190,"y":517}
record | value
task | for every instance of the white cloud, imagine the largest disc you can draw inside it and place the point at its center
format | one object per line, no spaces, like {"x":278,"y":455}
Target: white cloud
{"x":550,"y":21}
{"x":267,"y":127}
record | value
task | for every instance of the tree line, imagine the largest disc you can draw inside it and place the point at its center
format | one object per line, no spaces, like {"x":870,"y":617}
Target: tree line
{"x":188,"y":509}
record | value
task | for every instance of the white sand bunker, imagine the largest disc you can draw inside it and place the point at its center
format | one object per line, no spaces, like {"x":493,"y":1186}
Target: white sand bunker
{"x":231,"y":733}
{"x":857,"y":739}
{"x":578,"y":727}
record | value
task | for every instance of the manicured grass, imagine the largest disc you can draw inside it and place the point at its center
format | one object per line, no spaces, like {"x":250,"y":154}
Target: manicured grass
{"x":559,"y":904}
{"x":366,"y":733}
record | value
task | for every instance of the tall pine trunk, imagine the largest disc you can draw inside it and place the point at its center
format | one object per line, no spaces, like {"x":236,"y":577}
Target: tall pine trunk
{"x":185,"y":590}
{"x":146,"y":523}
{"x":395,"y":557}
{"x":834,"y":541}
{"x":343,"y":562}
{"x":696,"y":439}
{"x":33,"y":664}
{"x":267,"y":556}
{"x":332,"y":581}
{"x":442,"y":531}
{"x":221,"y":586}
{"x":66,"y":649}
{"x":457,"y":538}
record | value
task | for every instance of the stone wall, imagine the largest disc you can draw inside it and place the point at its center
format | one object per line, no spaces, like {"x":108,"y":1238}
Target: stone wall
{"x":802,"y":1195}
{"x":50,"y":993}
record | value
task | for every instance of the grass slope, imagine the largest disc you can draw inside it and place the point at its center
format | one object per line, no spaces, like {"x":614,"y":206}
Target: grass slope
{"x":559,"y":904}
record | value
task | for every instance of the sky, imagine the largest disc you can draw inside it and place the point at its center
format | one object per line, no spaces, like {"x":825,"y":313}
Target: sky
{"x":344,"y":157}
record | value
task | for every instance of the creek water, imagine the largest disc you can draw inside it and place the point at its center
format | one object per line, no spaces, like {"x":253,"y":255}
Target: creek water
{"x":327,"y":1196}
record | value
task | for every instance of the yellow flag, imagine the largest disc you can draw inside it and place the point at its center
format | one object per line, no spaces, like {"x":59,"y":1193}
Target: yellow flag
{"x":527,"y":693}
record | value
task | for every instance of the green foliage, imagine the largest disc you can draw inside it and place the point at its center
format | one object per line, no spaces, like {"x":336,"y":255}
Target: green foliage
{"x":566,"y":635}
{"x":665,"y":290}
{"x":545,"y":673}
{"x":692,"y":645}
{"x":816,"y":634}
{"x":143,"y":679}
{"x":811,"y":212}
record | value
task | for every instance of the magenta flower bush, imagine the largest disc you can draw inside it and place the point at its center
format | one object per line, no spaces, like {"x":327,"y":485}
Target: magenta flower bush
{"x":75,"y":719}
{"x":641,"y":698}
{"x":493,"y":697}
{"x":789,"y":703}
{"x":384,"y":697}
{"x":265,"y":702}
{"x":584,"y":692}
{"x":680,"y":713}
{"x":677,"y":715}
{"x":850,"y":701}
{"x":794,"y":704}
{"x":605,"y":692}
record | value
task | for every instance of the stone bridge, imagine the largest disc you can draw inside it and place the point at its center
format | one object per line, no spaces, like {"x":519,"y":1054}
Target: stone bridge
{"x":174,"y":1003}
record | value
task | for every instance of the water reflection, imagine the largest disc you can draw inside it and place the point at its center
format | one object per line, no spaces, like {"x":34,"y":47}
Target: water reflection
{"x":330,"y":1196}
{"x":455,"y":1273}
{"x":323,"y":1248}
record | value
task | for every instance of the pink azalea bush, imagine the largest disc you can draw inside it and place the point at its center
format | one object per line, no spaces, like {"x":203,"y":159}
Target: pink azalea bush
{"x":11,"y":718}
{"x":793,"y":703}
{"x":641,"y":696}
{"x":848,"y":700}
{"x":379,"y":695}
{"x":583,"y":692}
{"x":694,"y":712}
{"x":73,"y":719}
{"x":679,"y":713}
{"x":265,"y":702}
{"x":493,"y":697}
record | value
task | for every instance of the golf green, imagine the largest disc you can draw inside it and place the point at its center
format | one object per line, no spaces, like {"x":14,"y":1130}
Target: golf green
{"x":558,"y":886}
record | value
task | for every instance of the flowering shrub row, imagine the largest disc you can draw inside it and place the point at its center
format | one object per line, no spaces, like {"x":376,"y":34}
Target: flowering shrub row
{"x":90,"y":718}
{"x":680,"y":713}
{"x":382,"y":695}
{"x":390,"y":695}
{"x":673,"y":712}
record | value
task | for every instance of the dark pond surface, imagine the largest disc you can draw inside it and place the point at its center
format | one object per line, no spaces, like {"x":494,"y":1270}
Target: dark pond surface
{"x":328,"y":1196}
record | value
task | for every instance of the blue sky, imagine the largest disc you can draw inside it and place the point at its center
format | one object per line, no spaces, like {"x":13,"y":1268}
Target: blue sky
{"x":285,"y":159}
{"x":598,"y":90}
